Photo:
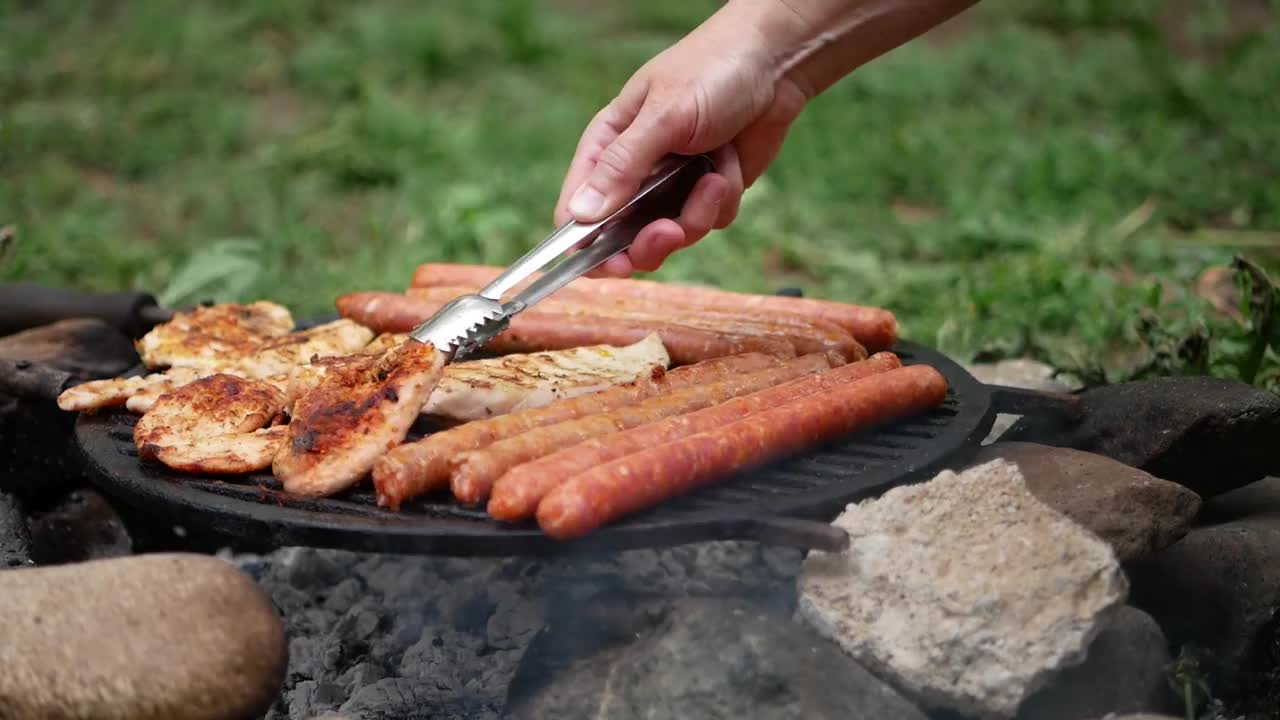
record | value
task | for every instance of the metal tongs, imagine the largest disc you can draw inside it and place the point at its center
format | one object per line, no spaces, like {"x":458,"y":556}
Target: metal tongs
{"x":467,"y":323}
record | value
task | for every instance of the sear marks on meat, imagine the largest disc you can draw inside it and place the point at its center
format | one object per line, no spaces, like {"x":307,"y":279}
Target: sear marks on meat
{"x":358,"y":411}
{"x":484,"y":388}
{"x":271,"y":361}
{"x":217,"y":424}
{"x":206,"y":336}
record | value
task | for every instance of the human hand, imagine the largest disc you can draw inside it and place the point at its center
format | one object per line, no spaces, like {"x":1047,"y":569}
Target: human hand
{"x":717,"y":92}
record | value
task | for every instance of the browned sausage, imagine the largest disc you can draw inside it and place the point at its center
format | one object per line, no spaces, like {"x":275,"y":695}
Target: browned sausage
{"x":516,"y":494}
{"x":423,"y":466}
{"x":807,"y":336}
{"x":648,"y":477}
{"x":475,"y":472}
{"x":536,"y":330}
{"x":875,"y":328}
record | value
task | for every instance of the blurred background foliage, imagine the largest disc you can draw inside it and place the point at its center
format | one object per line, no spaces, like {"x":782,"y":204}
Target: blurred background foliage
{"x":1092,"y":183}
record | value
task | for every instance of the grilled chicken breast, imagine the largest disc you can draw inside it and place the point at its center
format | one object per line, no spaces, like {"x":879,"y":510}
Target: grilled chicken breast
{"x":357,"y":411}
{"x":217,"y":424}
{"x":495,"y":386}
{"x":271,"y":361}
{"x":207,"y":336}
{"x":478,"y":389}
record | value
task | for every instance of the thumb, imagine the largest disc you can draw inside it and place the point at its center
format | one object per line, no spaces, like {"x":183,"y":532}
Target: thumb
{"x":623,"y":165}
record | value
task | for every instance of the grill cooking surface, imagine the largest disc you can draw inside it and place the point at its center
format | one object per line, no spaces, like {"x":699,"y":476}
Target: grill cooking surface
{"x":816,"y":484}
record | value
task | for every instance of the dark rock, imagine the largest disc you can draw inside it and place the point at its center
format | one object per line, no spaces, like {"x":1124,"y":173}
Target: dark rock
{"x":82,"y":527}
{"x":151,"y":636}
{"x":1209,"y":434}
{"x":700,"y":658}
{"x":1257,"y":500}
{"x":38,"y":462}
{"x":15,"y":540}
{"x":1124,"y":671}
{"x":87,"y":348}
{"x":1133,"y":511}
{"x":1218,"y":589}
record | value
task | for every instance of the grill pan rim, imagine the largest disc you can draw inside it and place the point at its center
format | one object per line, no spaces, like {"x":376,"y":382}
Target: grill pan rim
{"x":176,"y":501}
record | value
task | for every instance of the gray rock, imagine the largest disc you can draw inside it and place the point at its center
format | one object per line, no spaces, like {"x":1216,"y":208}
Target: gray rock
{"x":1210,"y":434}
{"x":1219,"y":589}
{"x":1123,"y":672}
{"x":150,"y":636}
{"x":1256,"y":500}
{"x":1133,"y":511}
{"x":1019,"y":373}
{"x":1138,"y":716}
{"x":703,"y":658}
{"x":15,"y":540}
{"x":82,"y":527}
{"x":965,"y":591}
{"x":86,"y":347}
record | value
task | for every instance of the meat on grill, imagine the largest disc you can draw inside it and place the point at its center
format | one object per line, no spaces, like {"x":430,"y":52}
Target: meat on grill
{"x":516,"y":494}
{"x":804,"y":334}
{"x":538,"y":329}
{"x":271,"y":360}
{"x":642,"y":479}
{"x":354,"y":415}
{"x":424,"y":466}
{"x":475,"y":472}
{"x":875,"y":328}
{"x":206,"y":336}
{"x":217,"y":424}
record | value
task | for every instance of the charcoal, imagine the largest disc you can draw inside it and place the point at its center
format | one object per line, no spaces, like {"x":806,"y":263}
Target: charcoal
{"x":15,"y":540}
{"x":705,"y":658}
{"x":84,"y":526}
{"x":1211,"y":435}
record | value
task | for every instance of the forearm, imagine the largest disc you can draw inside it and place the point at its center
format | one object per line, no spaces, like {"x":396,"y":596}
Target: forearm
{"x":817,"y":42}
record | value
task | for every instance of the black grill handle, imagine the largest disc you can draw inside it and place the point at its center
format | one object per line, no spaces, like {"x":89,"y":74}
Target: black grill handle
{"x":797,"y":533}
{"x":26,"y":305}
{"x":1020,"y":401}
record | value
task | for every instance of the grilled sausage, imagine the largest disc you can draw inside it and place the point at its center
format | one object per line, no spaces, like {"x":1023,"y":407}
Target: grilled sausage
{"x":536,"y":330}
{"x":475,"y":472}
{"x":645,"y":478}
{"x":875,"y":328}
{"x":420,"y":467}
{"x":516,"y":494}
{"x":806,"y":336}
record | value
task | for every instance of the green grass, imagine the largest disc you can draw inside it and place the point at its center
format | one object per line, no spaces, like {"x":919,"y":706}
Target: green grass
{"x":1021,"y":188}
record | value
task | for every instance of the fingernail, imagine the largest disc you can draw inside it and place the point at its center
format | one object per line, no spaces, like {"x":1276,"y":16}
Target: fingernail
{"x":586,"y":202}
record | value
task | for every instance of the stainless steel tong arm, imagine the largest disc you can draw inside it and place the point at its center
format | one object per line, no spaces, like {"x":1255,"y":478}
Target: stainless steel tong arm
{"x":661,"y":195}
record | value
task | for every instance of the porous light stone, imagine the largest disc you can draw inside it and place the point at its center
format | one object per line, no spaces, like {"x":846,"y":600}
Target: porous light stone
{"x":139,"y":638}
{"x":965,"y":591}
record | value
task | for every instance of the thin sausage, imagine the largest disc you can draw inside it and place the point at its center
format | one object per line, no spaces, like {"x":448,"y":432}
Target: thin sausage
{"x":875,"y":328}
{"x":807,"y":336}
{"x":516,"y":494}
{"x":420,"y":467}
{"x":475,"y":472}
{"x":536,"y":330}
{"x":648,"y":477}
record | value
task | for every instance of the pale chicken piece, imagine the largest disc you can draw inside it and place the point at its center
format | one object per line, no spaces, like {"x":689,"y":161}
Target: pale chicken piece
{"x":357,"y":412}
{"x":280,"y":356}
{"x":208,"y":337}
{"x":217,"y":425}
{"x":271,"y":362}
{"x":479,"y":389}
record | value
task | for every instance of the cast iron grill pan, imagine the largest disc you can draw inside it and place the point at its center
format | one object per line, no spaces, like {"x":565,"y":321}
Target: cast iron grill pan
{"x":775,"y":504}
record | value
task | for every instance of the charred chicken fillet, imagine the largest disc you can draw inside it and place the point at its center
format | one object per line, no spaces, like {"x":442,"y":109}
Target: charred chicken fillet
{"x":270,"y":360}
{"x":219,"y":424}
{"x":206,"y":336}
{"x":357,"y":412}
